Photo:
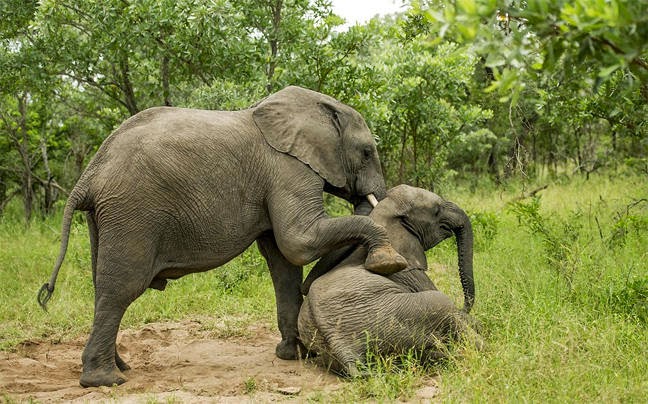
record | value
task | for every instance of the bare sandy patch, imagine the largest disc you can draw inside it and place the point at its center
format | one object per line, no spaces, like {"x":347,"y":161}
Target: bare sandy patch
{"x":171,"y":362}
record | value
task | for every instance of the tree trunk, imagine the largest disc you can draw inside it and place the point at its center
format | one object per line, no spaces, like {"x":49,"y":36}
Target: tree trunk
{"x":578,"y":157}
{"x":493,"y":170}
{"x":165,"y":80}
{"x":273,"y":40}
{"x":50,"y":191}
{"x":516,"y":157}
{"x":127,"y":85}
{"x":401,"y":169}
{"x":3,"y":192}
{"x":23,"y":148}
{"x":415,"y":145}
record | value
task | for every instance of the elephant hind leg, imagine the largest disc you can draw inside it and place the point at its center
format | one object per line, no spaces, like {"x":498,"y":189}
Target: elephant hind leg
{"x":100,"y":355}
{"x":93,"y":231}
{"x":116,"y":288}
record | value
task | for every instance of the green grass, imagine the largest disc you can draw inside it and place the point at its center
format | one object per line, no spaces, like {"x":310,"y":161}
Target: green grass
{"x":562,"y":295}
{"x":229,"y":298}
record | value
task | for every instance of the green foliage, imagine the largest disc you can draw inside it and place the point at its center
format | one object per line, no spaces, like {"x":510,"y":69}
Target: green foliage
{"x":70,"y":73}
{"x":388,"y":377}
{"x":251,"y":264}
{"x":485,"y":228}
{"x":430,"y":82}
{"x":626,"y":222}
{"x":561,"y":309}
{"x":589,"y":37}
{"x":452,"y":92}
{"x":566,"y":81}
{"x":335,"y":206}
{"x":559,"y":237}
{"x":632,"y":299}
{"x":251,"y":385}
{"x":16,"y":14}
{"x":640,"y":165}
{"x":414,"y":96}
{"x":224,"y":95}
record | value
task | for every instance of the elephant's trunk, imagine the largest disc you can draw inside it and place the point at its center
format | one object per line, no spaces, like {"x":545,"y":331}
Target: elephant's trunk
{"x":363,"y":206}
{"x":464,"y":237}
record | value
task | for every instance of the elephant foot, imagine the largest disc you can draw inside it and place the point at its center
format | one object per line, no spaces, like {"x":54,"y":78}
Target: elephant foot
{"x":350,"y":370}
{"x":101,"y":377}
{"x":385,"y":261}
{"x":291,"y":349}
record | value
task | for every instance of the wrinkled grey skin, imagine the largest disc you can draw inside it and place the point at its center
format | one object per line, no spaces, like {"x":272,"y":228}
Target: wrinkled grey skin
{"x":349,"y":306}
{"x":174,"y":191}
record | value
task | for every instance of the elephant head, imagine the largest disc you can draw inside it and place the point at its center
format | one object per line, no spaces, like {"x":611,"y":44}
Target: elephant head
{"x":416,"y":218}
{"x":309,"y":125}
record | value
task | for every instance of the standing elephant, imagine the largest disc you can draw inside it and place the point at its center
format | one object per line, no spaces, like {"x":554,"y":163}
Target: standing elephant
{"x":349,"y":309}
{"x":174,"y":191}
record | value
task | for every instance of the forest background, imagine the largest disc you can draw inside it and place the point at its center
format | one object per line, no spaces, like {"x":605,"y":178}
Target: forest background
{"x":532,"y":115}
{"x":470,"y":90}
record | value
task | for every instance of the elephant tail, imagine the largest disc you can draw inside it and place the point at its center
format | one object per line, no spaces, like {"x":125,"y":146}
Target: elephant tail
{"x":76,"y":200}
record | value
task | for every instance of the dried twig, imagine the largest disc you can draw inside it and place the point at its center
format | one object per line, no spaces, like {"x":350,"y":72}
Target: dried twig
{"x":530,"y":194}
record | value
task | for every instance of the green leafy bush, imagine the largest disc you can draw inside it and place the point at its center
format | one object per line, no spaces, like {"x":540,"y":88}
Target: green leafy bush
{"x":627,"y":221}
{"x":559,"y":236}
{"x":632,"y":299}
{"x":485,"y":227}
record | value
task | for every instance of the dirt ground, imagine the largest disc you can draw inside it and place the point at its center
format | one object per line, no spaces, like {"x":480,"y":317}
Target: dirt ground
{"x":172,"y":362}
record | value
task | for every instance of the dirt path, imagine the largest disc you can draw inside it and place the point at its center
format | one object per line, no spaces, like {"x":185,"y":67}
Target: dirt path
{"x":171,"y":362}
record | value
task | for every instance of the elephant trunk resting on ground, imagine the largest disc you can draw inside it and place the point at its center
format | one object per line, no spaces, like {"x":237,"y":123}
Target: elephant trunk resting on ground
{"x":349,"y":309}
{"x":174,"y":191}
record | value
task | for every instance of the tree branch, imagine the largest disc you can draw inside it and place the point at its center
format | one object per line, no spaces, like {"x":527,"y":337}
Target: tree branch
{"x":53,"y":183}
{"x":638,"y":61}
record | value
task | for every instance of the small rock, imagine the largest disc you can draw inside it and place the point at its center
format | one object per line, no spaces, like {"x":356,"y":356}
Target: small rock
{"x":27,"y":362}
{"x":427,"y":392}
{"x":289,"y":391}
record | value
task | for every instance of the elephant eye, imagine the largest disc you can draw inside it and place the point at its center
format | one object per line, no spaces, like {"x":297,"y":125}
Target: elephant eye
{"x":367,"y":152}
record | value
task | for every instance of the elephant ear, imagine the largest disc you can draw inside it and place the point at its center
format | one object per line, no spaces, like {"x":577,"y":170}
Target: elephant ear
{"x":306,"y":125}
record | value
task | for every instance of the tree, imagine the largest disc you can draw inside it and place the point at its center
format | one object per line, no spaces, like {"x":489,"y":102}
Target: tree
{"x":22,"y":113}
{"x":540,"y":57}
{"x":415,"y":97}
{"x":135,"y":54}
{"x":282,"y":29}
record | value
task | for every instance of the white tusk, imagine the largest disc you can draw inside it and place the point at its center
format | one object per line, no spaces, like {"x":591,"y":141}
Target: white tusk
{"x":372,"y":200}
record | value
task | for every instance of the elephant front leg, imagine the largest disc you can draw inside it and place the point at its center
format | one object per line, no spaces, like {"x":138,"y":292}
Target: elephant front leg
{"x":304,"y":232}
{"x":304,"y":245}
{"x":287,"y":279}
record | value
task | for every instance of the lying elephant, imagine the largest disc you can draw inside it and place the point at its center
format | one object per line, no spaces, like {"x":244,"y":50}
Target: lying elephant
{"x":174,"y":191}
{"x":349,"y":308}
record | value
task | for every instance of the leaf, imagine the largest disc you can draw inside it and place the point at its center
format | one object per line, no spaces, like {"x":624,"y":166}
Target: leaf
{"x":607,"y":71}
{"x":467,"y":6}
